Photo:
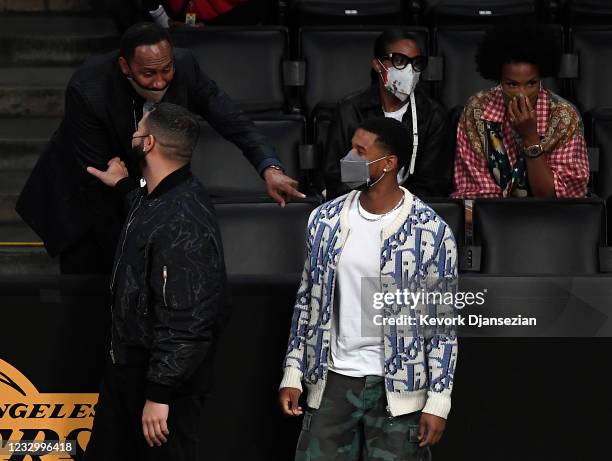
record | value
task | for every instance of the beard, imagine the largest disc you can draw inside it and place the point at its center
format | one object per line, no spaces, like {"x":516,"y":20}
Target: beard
{"x":137,"y":159}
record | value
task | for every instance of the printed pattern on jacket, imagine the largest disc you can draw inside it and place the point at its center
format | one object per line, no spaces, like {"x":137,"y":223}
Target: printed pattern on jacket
{"x":418,"y":253}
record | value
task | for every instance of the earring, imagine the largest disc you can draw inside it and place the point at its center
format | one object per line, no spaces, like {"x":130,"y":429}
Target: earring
{"x":384,"y":170}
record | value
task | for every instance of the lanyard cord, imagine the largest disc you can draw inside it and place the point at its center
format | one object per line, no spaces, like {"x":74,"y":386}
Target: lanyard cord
{"x":415,"y":133}
{"x":402,"y":174}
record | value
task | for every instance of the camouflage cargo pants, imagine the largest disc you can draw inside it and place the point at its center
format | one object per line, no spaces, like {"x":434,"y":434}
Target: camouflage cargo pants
{"x":352,"y":423}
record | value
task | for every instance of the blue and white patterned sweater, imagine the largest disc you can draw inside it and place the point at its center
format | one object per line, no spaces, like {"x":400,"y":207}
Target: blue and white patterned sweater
{"x":418,"y":252}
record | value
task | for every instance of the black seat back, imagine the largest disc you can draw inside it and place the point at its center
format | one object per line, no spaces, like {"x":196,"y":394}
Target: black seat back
{"x":452,"y":212}
{"x":457,"y":47}
{"x":339,"y":60}
{"x":245,"y":61}
{"x":588,"y":11}
{"x":454,"y":115}
{"x":601,"y":133}
{"x":539,"y":236}
{"x":226,"y":172}
{"x":593,"y":46}
{"x":346,"y":11}
{"x":471,"y":11}
{"x":263,"y":239}
{"x":320,"y":131}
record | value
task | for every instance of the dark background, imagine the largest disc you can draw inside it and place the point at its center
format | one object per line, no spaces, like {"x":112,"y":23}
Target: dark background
{"x":513,"y":398}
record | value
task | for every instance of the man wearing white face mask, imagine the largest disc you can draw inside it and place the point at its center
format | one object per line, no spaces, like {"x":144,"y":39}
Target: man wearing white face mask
{"x":397,"y":65}
{"x":381,"y":391}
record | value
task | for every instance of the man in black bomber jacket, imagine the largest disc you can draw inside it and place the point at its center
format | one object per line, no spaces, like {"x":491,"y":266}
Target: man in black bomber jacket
{"x":168,"y":300}
{"x":398,"y":63}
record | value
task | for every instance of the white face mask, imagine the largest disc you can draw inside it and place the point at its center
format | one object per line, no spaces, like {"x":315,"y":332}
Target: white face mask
{"x":150,"y":95}
{"x":401,"y":83}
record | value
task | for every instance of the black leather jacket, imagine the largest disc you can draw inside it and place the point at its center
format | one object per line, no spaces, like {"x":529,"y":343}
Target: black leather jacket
{"x":168,"y":286}
{"x":434,"y":163}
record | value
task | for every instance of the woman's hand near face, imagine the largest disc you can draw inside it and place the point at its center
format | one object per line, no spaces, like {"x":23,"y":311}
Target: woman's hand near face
{"x":523,"y":118}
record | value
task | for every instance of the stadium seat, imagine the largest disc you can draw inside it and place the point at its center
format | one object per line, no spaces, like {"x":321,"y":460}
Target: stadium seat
{"x":593,"y":47}
{"x":477,"y":11}
{"x":320,"y":130}
{"x":245,"y":61}
{"x":345,"y":11}
{"x":588,"y":11}
{"x":338,"y":61}
{"x":454,"y":115}
{"x":263,"y":239}
{"x":539,"y":236}
{"x":457,"y":46}
{"x":601,"y":139}
{"x":321,"y":125}
{"x":226,"y":172}
{"x":452,"y":212}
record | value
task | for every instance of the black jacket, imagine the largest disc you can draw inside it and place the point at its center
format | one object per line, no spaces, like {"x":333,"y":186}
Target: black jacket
{"x":61,"y":201}
{"x":168,"y":286}
{"x":433,"y":167}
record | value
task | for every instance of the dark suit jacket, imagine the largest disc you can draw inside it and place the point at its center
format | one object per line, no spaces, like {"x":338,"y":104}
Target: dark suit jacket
{"x":434,"y":163}
{"x":61,"y":201}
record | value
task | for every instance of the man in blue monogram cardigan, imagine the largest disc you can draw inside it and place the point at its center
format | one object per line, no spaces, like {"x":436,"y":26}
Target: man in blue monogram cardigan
{"x":377,"y":383}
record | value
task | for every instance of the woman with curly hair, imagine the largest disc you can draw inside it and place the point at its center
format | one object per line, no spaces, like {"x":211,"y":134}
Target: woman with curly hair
{"x":519,"y":139}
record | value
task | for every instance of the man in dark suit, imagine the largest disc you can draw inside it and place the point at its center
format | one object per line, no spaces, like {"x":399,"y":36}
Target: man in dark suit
{"x":74,"y":214}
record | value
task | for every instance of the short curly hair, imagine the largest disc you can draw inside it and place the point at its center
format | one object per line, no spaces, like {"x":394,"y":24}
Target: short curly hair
{"x":518,"y":43}
{"x":392,"y":135}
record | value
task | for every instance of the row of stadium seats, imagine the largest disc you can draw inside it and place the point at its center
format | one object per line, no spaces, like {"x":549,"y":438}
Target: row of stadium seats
{"x":226,"y":172}
{"x":512,"y":236}
{"x":256,"y":67}
{"x":435,"y":12}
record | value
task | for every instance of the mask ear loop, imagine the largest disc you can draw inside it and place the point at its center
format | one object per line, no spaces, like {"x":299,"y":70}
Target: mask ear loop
{"x":381,"y":158}
{"x":380,"y":71}
{"x":381,"y":176}
{"x":377,"y":181}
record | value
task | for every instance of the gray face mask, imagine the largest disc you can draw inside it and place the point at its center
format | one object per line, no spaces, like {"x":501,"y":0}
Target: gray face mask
{"x":355,"y":172}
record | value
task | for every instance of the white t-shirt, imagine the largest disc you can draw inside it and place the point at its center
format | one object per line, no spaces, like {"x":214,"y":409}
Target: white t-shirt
{"x":352,"y":354}
{"x":398,"y":114}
